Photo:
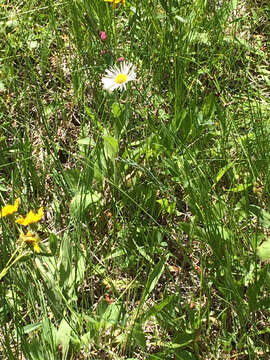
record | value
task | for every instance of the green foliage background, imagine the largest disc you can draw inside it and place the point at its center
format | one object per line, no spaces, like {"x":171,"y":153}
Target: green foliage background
{"x":154,"y":238}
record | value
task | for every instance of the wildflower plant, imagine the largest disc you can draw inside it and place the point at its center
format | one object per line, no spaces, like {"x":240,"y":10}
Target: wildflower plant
{"x":30,"y":238}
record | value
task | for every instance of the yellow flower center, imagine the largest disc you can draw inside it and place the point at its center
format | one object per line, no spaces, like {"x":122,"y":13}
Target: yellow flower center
{"x":121,"y":78}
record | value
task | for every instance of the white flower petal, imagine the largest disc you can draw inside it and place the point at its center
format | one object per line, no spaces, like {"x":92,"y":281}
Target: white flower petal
{"x":109,"y":80}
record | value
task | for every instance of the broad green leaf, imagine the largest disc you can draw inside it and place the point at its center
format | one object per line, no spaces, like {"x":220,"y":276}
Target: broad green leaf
{"x":86,"y":338}
{"x":81,"y":202}
{"x":100,"y":168}
{"x":110,"y":147}
{"x":79,"y":269}
{"x":111,"y":315}
{"x":184,"y":355}
{"x":209,"y":107}
{"x":183,"y":339}
{"x":264,"y":250}
{"x":65,"y":269}
{"x":49,"y":332}
{"x":72,"y":178}
{"x":47,"y":270}
{"x":139,"y":336}
{"x":86,"y":141}
{"x":63,"y":337}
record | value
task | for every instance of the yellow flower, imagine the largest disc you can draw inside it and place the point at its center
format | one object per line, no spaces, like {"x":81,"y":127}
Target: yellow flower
{"x":9,"y":209}
{"x":114,"y":2}
{"x":32,"y":240}
{"x":30,"y":218}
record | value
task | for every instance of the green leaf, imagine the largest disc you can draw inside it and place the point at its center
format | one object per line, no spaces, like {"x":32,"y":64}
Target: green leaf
{"x":89,"y":113}
{"x":65,"y":268}
{"x":110,"y":147}
{"x":47,"y":270}
{"x":142,"y":251}
{"x":86,"y":338}
{"x":179,"y":18}
{"x":115,"y":254}
{"x":53,"y":240}
{"x":184,"y":355}
{"x":72,"y":178}
{"x":166,"y":207}
{"x":264,"y":250}
{"x":182,"y":121}
{"x":63,"y":337}
{"x":139,"y":336}
{"x":79,"y":269}
{"x":183,"y":339}
{"x":81,"y":202}
{"x":154,"y":278}
{"x":222,"y":172}
{"x":239,"y":188}
{"x":112,"y":315}
{"x":263,"y":215}
{"x":86,"y":141}
{"x":117,"y":109}
{"x":31,"y":327}
{"x":49,"y":333}
{"x":156,"y":308}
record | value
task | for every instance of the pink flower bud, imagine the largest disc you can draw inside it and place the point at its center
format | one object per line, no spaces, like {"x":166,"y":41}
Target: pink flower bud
{"x":103,"y":35}
{"x":120,"y":59}
{"x":103,"y":52}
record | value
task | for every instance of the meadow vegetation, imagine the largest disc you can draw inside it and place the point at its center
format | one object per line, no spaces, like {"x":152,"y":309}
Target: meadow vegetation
{"x":135,"y":223}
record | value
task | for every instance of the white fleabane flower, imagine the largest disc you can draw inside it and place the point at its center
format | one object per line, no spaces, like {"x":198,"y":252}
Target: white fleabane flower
{"x":117,"y":77}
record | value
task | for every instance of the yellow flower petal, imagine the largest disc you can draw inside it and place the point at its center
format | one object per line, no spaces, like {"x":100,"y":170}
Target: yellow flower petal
{"x":30,"y":218}
{"x":29,"y":238}
{"x":36,"y":248}
{"x":9,"y":209}
{"x":114,"y":2}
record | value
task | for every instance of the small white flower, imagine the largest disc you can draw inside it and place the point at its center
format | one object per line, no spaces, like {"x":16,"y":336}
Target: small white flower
{"x":117,"y":77}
